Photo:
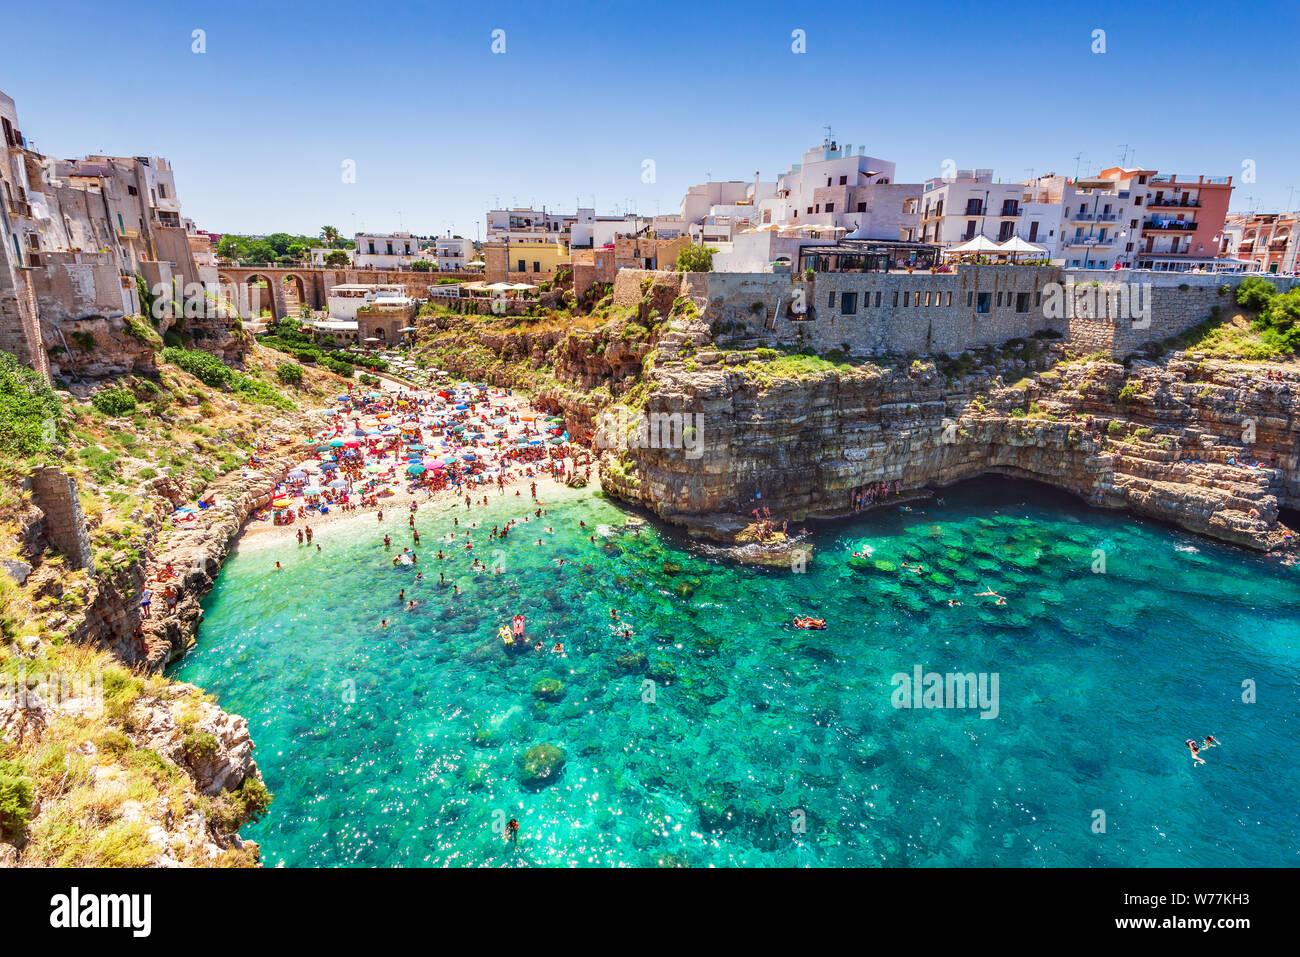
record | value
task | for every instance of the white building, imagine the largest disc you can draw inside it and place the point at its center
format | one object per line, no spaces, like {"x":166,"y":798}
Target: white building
{"x":451,"y":253}
{"x":319,"y":253}
{"x":344,"y":300}
{"x":386,"y":250}
{"x":957,"y":209}
{"x":583,"y":228}
{"x":831,"y":187}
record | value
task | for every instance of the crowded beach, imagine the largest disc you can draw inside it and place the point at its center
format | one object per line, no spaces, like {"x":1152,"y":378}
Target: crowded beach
{"x":378,"y":450}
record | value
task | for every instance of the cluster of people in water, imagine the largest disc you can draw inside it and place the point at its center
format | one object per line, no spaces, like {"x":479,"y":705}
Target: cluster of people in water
{"x":1196,"y":748}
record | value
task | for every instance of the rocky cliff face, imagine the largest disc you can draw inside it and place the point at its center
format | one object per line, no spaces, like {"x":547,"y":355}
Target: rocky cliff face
{"x":1173,"y":441}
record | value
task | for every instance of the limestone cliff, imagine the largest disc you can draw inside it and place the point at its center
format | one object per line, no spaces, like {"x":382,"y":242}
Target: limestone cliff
{"x":1173,"y":441}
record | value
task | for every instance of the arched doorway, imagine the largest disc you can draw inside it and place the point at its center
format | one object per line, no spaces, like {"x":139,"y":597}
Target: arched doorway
{"x":295,"y":295}
{"x":259,"y":298}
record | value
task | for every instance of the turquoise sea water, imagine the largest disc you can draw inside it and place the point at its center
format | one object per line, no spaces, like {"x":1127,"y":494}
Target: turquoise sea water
{"x":402,"y":747}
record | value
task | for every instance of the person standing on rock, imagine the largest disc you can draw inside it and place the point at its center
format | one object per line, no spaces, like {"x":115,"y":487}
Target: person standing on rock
{"x":146,"y":599}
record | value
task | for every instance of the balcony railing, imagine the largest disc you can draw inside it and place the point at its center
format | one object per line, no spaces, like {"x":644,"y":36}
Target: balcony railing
{"x":19,"y":208}
{"x":1091,"y":217}
{"x":1173,"y":225}
{"x":1165,"y":203}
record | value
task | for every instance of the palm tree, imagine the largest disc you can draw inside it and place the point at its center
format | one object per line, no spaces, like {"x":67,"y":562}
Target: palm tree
{"x":329,"y":234}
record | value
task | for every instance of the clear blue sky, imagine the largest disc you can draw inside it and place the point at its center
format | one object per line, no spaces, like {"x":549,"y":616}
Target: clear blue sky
{"x":441,"y":128}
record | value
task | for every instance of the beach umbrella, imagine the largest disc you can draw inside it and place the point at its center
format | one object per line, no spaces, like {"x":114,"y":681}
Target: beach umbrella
{"x":557,"y":441}
{"x":469,"y":456}
{"x":312,"y":490}
{"x":297,"y":474}
{"x":336,"y":443}
{"x":534,"y":441}
{"x":374,"y":469}
{"x":358,"y":431}
{"x":435,"y":465}
{"x":449,"y":460}
{"x":415,"y":468}
{"x":278,"y":503}
{"x":351,"y":443}
{"x":416,"y":447}
{"x":338,"y":483}
{"x":329,"y":465}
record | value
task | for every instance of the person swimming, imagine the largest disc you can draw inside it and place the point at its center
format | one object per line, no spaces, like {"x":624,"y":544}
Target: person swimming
{"x":1209,"y":742}
{"x":1196,"y":752}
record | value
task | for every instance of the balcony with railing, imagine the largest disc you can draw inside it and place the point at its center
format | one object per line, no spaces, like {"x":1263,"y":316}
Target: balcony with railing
{"x":1178,"y":204}
{"x":19,"y":208}
{"x":1171,"y":225}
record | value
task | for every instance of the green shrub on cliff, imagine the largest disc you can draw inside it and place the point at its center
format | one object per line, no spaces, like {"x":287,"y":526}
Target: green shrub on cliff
{"x":289,"y":373}
{"x":1255,"y":293}
{"x":30,"y":412}
{"x":16,"y":794}
{"x":114,"y":402}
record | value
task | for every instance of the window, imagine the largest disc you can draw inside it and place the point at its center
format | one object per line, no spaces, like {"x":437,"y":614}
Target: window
{"x":844,"y":180}
{"x":848,"y":304}
{"x":810,"y":210}
{"x":162,"y":190}
{"x":1038,"y":299}
{"x":999,"y":300}
{"x":970,"y":299}
{"x":970,"y":229}
{"x":895,"y":298}
{"x":390,"y":248}
{"x":372,"y":248}
{"x":878,"y":300}
{"x":523,"y":266}
{"x":830,"y":207}
{"x":537,"y":267}
{"x":862,"y":207}
{"x":948,"y":299}
{"x":1022,"y":302}
{"x":907,"y":299}
{"x":131,"y":190}
{"x":984,"y":302}
{"x":927,"y":298}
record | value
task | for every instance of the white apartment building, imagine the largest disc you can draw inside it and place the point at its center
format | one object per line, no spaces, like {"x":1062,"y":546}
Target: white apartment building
{"x":831,"y":187}
{"x":956,"y":210}
{"x":451,"y":253}
{"x":583,"y":228}
{"x":386,"y":250}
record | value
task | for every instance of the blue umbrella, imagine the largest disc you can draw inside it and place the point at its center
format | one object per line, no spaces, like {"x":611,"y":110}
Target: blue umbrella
{"x":415,"y":468}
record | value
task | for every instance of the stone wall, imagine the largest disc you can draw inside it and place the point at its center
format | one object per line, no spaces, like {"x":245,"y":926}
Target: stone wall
{"x":20,"y":330}
{"x":55,"y":493}
{"x":924,"y":313}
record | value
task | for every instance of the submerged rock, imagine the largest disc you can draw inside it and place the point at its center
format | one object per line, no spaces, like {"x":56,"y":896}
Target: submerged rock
{"x":540,"y":765}
{"x":548,"y":689}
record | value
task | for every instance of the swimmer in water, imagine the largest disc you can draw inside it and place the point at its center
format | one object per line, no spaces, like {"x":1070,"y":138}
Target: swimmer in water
{"x":1195,"y":749}
{"x":277,"y":566}
{"x":1209,"y":742}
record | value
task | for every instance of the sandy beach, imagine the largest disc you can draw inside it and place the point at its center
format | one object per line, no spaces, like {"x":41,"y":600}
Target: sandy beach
{"x":516,"y":423}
